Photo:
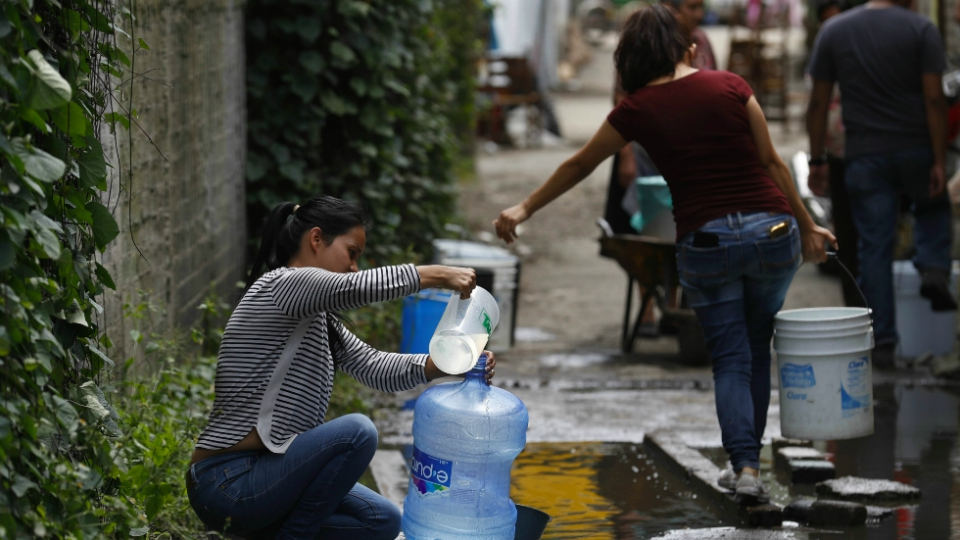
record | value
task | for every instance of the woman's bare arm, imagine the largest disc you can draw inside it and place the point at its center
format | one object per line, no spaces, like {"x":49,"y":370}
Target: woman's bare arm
{"x":814,"y":237}
{"x":604,"y":144}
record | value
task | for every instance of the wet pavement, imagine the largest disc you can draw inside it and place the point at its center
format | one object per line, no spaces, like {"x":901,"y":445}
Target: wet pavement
{"x":620,"y":490}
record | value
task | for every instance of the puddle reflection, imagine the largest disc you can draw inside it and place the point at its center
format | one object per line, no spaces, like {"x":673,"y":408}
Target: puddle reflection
{"x":604,"y":491}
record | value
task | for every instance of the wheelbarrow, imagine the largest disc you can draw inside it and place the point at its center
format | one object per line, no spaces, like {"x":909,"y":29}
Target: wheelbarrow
{"x":651,"y":263}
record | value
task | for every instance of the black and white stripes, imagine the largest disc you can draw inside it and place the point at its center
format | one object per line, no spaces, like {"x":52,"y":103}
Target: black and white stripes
{"x":259,"y":328}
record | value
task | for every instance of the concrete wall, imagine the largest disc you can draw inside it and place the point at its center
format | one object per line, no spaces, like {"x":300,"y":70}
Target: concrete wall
{"x":182,"y":203}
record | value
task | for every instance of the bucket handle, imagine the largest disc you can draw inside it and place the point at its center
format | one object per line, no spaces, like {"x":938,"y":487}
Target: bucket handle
{"x":832,"y":255}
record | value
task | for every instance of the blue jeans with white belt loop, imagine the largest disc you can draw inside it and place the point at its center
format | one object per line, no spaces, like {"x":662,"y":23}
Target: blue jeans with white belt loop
{"x":310,"y":492}
{"x":736,"y":288}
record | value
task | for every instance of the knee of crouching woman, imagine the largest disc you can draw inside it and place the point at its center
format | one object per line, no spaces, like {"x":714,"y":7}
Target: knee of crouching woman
{"x":362,"y":428}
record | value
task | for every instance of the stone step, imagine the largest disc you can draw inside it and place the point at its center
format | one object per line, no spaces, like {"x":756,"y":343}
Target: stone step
{"x":851,"y":488}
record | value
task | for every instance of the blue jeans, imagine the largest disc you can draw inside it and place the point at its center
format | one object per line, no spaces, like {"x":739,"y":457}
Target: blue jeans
{"x":875,"y":183}
{"x":736,"y":288}
{"x":310,"y":492}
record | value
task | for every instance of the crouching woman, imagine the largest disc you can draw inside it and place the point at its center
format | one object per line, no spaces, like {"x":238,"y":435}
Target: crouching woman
{"x":268,"y":465}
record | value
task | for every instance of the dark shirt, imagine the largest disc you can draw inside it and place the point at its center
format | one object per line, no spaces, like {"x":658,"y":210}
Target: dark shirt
{"x":697,"y":132}
{"x":878,"y":56}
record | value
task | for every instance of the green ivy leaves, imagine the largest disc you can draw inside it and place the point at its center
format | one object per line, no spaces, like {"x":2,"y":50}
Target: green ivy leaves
{"x":47,"y":89}
{"x":366,"y":111}
{"x":59,"y":466}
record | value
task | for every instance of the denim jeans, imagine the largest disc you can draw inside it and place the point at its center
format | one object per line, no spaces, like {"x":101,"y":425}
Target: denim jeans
{"x":309,"y":492}
{"x":736,"y":289}
{"x":875,"y":183}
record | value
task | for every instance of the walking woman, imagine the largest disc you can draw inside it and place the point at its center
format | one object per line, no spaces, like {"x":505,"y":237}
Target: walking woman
{"x":267,"y":465}
{"x":741,"y":227}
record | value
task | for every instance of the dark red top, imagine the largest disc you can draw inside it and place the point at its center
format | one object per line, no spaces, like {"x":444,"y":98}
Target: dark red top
{"x":697,"y":132}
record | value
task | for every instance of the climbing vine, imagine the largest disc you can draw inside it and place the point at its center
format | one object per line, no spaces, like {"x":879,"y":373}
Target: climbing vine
{"x":359,"y":99}
{"x":63,"y":64}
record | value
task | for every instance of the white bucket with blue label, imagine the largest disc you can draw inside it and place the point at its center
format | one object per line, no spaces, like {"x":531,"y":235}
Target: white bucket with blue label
{"x":825,"y":373}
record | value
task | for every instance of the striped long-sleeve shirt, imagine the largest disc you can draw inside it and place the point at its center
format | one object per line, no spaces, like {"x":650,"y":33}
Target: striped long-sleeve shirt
{"x":253,"y":342}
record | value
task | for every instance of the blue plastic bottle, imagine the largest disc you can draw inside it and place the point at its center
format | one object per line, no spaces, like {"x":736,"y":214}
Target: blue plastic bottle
{"x":465,"y":438}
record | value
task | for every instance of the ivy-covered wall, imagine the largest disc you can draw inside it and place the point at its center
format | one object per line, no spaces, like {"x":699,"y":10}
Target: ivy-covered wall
{"x":180,"y":199}
{"x":359,"y":100}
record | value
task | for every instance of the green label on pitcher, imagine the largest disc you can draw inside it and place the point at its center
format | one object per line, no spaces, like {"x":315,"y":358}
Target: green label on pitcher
{"x":485,"y":321}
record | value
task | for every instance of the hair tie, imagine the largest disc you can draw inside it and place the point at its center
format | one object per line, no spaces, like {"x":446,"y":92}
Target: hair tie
{"x":295,"y":208}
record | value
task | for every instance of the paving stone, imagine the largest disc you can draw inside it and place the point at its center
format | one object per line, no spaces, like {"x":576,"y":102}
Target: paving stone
{"x":810,"y":471}
{"x":763,"y":515}
{"x":879,"y":513}
{"x":798,"y":510}
{"x":730,"y":533}
{"x":781,"y":442}
{"x":799,"y":452}
{"x":826,"y":513}
{"x":864,"y":489}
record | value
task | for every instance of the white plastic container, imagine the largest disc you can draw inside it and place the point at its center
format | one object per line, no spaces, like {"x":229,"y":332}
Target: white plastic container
{"x":921,"y":329}
{"x":505,"y":279}
{"x":824,"y":369}
{"x":463,"y":331}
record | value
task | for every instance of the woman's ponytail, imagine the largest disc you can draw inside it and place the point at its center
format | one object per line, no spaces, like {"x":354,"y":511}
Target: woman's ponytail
{"x":270,"y":239}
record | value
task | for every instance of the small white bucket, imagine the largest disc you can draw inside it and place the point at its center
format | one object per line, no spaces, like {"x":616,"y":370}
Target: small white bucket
{"x":824,"y":369}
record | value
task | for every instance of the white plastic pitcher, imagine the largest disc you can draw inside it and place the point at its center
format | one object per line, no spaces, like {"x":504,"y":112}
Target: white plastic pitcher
{"x":463,"y":331}
{"x":825,"y":373}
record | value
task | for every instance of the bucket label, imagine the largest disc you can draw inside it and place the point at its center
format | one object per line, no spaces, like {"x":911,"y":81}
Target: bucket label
{"x":855,"y":387}
{"x":429,"y":474}
{"x":485,"y":321}
{"x":797,"y":376}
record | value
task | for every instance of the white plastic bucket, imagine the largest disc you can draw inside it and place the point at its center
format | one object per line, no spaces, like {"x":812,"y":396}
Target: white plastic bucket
{"x":824,"y":369}
{"x":921,"y":329}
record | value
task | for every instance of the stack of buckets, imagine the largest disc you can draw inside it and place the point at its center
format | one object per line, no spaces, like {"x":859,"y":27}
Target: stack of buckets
{"x":824,"y":367}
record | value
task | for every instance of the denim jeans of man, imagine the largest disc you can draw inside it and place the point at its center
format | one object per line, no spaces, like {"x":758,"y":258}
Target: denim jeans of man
{"x":736,"y":289}
{"x":874,"y":183}
{"x":309,"y":492}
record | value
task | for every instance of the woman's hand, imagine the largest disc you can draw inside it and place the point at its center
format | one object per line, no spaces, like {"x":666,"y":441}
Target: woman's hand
{"x":814,"y":244}
{"x":506,"y":224}
{"x":491,"y":366}
{"x":462,"y":280}
{"x":433,"y":372}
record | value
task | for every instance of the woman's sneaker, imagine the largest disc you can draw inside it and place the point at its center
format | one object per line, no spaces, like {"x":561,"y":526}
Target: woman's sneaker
{"x":727,"y":479}
{"x":751,"y":491}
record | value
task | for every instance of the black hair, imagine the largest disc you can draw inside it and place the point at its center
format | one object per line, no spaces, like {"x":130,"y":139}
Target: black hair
{"x":284,"y":229}
{"x":824,"y":5}
{"x":651,"y":45}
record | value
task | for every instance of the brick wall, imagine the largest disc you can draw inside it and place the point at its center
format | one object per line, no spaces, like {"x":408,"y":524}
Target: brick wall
{"x":181,"y":203}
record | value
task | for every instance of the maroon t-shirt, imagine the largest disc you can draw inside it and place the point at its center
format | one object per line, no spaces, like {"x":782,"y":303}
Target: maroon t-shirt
{"x":697,"y":132}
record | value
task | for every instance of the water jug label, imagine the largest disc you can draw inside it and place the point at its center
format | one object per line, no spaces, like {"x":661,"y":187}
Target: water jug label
{"x":428,"y":473}
{"x":485,"y":321}
{"x":797,"y":376}
{"x":855,"y":387}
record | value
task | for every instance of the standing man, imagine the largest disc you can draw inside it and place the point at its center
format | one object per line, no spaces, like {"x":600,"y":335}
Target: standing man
{"x":888,"y":61}
{"x":690,"y":14}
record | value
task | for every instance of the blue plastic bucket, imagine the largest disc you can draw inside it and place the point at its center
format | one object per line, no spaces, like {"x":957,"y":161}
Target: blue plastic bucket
{"x":420,"y":316}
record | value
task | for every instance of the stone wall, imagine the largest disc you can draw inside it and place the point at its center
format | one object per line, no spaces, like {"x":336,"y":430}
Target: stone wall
{"x":181,"y":201}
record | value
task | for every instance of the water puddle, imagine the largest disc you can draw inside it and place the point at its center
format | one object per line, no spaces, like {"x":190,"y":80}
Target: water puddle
{"x":526,"y":334}
{"x":605,"y":491}
{"x":914,"y":442}
{"x":573,"y":360}
{"x":616,"y":491}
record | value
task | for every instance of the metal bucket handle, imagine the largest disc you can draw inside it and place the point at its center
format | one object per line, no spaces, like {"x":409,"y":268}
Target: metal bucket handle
{"x":833,"y":255}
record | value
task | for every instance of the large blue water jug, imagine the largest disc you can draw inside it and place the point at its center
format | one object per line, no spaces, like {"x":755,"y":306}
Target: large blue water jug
{"x":465,"y":438}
